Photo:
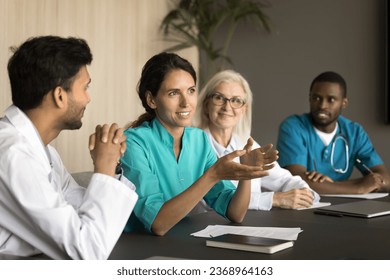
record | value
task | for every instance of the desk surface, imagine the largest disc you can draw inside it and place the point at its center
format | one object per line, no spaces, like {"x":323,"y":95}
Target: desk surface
{"x":323,"y":237}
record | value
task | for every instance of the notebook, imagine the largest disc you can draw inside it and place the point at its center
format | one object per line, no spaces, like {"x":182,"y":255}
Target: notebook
{"x":249,"y":243}
{"x":363,"y":209}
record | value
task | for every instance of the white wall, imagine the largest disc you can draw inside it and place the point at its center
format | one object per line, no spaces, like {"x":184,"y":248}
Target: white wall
{"x":122,"y":34}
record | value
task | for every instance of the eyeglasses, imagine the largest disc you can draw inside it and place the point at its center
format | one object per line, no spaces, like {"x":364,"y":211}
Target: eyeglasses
{"x":220,"y":100}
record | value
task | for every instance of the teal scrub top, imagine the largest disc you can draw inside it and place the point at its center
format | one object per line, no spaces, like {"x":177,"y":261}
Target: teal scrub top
{"x":150,"y":163}
{"x":298,"y":143}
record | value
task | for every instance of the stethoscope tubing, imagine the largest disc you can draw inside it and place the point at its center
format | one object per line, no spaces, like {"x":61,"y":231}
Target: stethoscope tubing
{"x":337,"y":137}
{"x":340,"y":170}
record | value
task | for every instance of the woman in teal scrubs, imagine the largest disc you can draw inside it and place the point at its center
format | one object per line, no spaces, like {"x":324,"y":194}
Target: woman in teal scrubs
{"x":172,"y":164}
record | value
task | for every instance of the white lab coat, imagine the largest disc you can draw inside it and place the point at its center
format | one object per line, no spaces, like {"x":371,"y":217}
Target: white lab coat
{"x":278,"y":180}
{"x":43,"y":209}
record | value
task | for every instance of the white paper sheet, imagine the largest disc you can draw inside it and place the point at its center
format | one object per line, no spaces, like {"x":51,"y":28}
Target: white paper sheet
{"x":316,"y":205}
{"x":271,"y":232}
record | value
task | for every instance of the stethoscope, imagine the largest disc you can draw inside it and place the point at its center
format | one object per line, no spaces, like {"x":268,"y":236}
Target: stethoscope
{"x":340,"y":137}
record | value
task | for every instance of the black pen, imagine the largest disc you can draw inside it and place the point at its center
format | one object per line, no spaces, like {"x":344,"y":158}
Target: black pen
{"x":367,"y":168}
{"x":364,"y":166}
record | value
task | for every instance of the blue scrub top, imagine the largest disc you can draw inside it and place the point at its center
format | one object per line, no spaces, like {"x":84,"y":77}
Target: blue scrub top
{"x":150,"y":163}
{"x":298,"y":143}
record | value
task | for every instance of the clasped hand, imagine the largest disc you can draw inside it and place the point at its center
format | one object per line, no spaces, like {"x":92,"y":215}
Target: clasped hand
{"x":107,"y":145}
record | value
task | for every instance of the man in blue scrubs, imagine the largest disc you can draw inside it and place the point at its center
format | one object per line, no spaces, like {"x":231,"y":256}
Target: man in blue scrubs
{"x":323,"y":146}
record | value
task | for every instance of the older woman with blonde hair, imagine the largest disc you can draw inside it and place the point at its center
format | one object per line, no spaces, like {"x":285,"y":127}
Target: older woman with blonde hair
{"x":225,"y":113}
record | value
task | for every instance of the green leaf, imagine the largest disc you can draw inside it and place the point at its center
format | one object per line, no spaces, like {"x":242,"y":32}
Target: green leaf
{"x":196,"y":22}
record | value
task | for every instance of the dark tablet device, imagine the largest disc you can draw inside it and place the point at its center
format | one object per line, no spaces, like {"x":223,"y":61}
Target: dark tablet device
{"x":363,"y":209}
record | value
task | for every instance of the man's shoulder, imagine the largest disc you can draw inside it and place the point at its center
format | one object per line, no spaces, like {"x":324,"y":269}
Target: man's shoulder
{"x":9,"y":135}
{"x":344,"y":120}
{"x":349,"y":125}
{"x":296,"y":120}
{"x":13,"y":144}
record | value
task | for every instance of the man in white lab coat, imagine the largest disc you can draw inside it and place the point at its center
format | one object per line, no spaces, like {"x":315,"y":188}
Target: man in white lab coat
{"x":42,"y":208}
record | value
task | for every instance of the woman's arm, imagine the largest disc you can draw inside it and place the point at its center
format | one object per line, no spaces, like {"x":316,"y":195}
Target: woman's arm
{"x":224,"y":169}
{"x":263,"y":157}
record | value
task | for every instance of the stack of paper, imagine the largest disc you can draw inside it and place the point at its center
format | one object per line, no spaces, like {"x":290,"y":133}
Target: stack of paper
{"x":270,"y":232}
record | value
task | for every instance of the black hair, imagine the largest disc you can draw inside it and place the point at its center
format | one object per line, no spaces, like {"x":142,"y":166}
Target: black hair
{"x":152,"y":76}
{"x":43,"y":63}
{"x":331,"y":77}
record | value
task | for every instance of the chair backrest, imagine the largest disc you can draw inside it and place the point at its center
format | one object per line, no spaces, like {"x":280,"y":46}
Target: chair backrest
{"x":82,"y":178}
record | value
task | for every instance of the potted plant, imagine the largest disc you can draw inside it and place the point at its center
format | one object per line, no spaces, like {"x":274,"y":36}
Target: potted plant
{"x":196,"y":22}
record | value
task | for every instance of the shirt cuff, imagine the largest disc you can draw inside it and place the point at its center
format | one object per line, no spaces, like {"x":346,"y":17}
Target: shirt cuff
{"x":261,"y":201}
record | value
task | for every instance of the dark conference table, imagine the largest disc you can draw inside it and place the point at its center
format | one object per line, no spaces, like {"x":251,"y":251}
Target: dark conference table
{"x":323,"y":237}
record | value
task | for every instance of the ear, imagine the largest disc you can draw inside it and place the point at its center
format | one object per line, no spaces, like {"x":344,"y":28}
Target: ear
{"x":345,"y":102}
{"x":60,"y":97}
{"x":150,"y":100}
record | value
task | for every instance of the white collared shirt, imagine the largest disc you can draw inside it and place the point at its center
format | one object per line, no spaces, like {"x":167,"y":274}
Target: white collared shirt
{"x":42,"y":208}
{"x":262,"y":189}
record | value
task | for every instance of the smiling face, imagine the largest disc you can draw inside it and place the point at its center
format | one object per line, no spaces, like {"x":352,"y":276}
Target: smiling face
{"x":326,"y":104}
{"x":175,"y":102}
{"x":224,"y":117}
{"x":78,"y":98}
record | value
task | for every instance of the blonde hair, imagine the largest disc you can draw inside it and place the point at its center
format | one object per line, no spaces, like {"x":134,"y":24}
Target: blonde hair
{"x":202,"y":120}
